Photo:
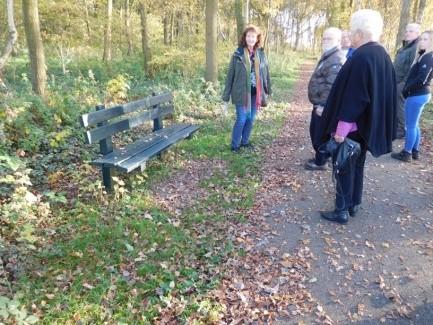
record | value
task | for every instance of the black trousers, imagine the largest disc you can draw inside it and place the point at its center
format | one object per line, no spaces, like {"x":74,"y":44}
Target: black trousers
{"x":315,"y":135}
{"x":350,"y":181}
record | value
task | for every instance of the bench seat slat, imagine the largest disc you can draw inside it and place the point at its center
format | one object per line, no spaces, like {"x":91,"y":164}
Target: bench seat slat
{"x":107,"y":130}
{"x":136,"y":161}
{"x":94,"y":118}
{"x":121,"y":154}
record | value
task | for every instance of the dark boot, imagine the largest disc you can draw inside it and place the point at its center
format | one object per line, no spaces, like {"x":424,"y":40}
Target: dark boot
{"x":402,"y":155}
{"x":415,"y":154}
{"x":311,"y":165}
{"x":354,"y":210}
{"x":341,"y":216}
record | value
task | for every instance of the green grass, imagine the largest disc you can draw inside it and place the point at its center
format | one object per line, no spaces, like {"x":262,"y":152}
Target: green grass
{"x":427,"y":121}
{"x":123,"y":258}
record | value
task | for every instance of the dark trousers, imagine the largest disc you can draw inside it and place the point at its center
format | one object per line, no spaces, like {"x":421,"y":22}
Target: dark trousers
{"x":400,"y":110}
{"x":315,"y":135}
{"x":351,"y":180}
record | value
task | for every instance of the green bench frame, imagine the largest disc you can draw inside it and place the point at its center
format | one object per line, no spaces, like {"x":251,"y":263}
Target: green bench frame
{"x":101,"y":127}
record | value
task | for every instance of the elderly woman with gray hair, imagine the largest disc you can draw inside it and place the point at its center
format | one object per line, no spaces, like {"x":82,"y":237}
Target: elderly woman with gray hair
{"x":361,"y":106}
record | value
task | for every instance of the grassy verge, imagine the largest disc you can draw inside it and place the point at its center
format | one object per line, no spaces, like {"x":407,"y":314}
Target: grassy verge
{"x":427,"y":122}
{"x":124,"y":258}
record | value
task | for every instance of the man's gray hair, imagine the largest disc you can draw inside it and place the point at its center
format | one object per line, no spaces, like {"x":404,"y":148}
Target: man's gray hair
{"x":414,"y":26}
{"x":336,"y":32}
{"x":368,"y":22}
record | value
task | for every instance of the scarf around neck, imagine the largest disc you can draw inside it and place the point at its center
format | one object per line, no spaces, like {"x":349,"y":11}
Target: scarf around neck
{"x":258,"y":81}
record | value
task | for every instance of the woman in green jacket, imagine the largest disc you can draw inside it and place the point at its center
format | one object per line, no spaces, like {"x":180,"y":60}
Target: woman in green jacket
{"x":248,"y":84}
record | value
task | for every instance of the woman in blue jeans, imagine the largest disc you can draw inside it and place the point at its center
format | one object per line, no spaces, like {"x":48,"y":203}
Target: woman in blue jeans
{"x":247,"y":83}
{"x":417,"y":92}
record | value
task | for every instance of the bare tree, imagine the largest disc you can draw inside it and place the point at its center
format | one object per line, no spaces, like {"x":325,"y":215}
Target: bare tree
{"x":240,"y":21}
{"x":247,"y":12}
{"x":35,"y":46}
{"x":107,"y":35}
{"x":211,"y":40}
{"x":357,"y":4}
{"x":86,"y":18}
{"x":404,"y":20}
{"x":147,"y":56}
{"x":420,"y":12}
{"x":13,"y":35}
{"x":128,"y":26}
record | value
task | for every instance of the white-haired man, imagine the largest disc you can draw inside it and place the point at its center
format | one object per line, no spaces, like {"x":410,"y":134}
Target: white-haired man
{"x":361,"y":106}
{"x":402,"y":63}
{"x":319,"y":87}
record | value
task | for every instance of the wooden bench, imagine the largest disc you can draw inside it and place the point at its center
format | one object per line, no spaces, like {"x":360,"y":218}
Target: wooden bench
{"x":104,"y":123}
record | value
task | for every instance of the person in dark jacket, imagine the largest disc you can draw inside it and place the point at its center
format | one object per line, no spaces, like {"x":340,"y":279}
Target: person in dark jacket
{"x":402,"y":63}
{"x":361,"y":106}
{"x":320,"y":85}
{"x":248,"y":83}
{"x":417,"y":93}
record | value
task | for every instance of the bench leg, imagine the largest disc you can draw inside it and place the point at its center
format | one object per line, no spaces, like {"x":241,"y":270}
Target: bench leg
{"x":106,"y":176}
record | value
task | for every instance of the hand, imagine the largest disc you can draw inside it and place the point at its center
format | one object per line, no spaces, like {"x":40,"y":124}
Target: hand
{"x":319,"y":110}
{"x":225,"y":108}
{"x":338,"y":139}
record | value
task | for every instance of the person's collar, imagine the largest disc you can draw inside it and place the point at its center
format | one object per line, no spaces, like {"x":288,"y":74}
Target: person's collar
{"x":410,"y":43}
{"x":332,"y":49}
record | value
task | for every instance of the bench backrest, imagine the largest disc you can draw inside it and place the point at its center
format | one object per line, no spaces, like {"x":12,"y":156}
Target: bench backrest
{"x":146,"y":109}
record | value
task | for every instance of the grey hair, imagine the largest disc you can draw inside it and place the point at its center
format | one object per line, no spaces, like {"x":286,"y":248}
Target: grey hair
{"x":415,"y":26}
{"x":368,"y":22}
{"x":334,"y":31}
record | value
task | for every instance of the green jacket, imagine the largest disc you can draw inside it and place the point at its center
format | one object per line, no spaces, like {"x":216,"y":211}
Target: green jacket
{"x":404,"y":59}
{"x":236,"y":82}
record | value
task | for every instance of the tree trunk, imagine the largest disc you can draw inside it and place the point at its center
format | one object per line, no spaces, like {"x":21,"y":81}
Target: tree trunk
{"x":420,"y":12}
{"x":166,"y":26}
{"x":86,"y":17}
{"x":404,"y":20}
{"x":268,"y":29}
{"x":13,"y":35}
{"x":298,"y":33}
{"x":62,"y":58}
{"x":211,"y":40}
{"x":180,"y":24}
{"x":128,"y":27}
{"x":240,"y":22}
{"x":357,"y":4}
{"x":172,"y":27}
{"x":247,"y":12}
{"x":144,"y":37}
{"x":107,"y":40}
{"x":35,"y":46}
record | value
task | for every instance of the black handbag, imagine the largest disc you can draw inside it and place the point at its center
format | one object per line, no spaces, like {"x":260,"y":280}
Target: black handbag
{"x":342,"y":153}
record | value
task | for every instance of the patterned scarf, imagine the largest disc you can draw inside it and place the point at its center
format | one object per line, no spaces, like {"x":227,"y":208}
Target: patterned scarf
{"x":258,"y":81}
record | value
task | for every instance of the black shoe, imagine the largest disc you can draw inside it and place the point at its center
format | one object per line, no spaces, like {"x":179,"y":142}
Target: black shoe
{"x":336,"y":216}
{"x":354,"y":210}
{"x":236,"y":150}
{"x":402,"y":155}
{"x":415,"y":154}
{"x":311,"y":165}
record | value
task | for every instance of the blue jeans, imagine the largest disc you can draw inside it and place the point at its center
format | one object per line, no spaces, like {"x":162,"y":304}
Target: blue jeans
{"x":243,"y":124}
{"x":413,"y":109}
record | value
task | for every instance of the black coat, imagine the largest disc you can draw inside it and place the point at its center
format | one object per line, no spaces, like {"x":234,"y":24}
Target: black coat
{"x":420,"y":76}
{"x":365,"y":92}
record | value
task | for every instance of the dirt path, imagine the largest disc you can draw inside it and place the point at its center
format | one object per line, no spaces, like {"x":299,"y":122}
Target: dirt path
{"x":376,"y":269}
